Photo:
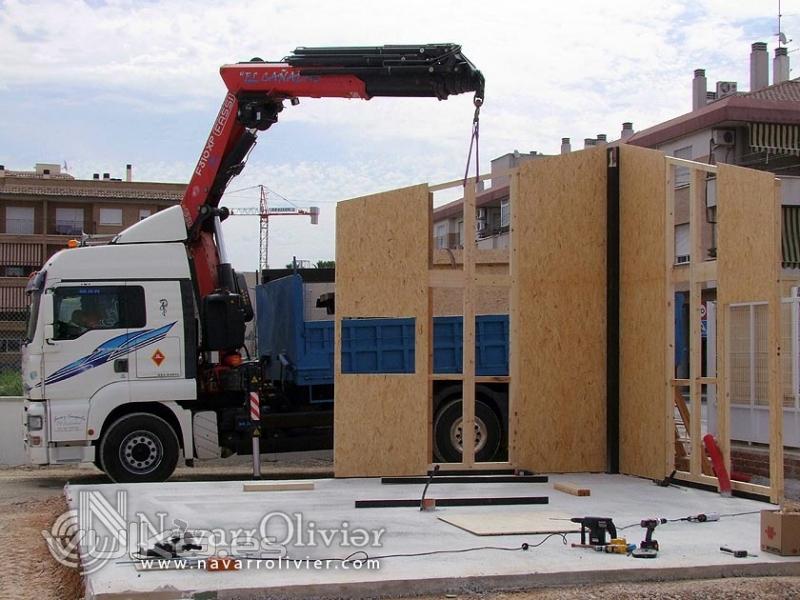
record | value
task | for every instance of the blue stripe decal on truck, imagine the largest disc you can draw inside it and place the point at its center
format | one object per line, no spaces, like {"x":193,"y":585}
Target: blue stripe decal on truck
{"x":110,"y":350}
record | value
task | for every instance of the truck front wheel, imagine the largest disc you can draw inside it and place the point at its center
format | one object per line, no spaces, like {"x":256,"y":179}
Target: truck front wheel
{"x":448,"y":432}
{"x":139,"y":447}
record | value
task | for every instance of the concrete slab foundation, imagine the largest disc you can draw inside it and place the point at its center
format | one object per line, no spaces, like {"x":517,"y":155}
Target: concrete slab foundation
{"x":323,"y":524}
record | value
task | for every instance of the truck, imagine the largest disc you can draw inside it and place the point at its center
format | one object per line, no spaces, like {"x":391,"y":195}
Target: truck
{"x":134,"y":352}
{"x":295,"y":346}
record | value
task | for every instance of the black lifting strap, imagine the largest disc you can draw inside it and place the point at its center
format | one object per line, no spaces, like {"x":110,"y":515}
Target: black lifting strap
{"x":474,"y":141}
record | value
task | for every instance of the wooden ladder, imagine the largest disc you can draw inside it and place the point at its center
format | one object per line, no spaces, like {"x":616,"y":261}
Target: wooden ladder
{"x":683,"y":439}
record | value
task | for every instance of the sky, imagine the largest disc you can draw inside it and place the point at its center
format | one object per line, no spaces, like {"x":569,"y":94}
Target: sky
{"x":98,"y":84}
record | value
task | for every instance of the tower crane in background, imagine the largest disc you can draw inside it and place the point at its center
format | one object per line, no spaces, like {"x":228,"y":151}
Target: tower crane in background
{"x":264,"y":212}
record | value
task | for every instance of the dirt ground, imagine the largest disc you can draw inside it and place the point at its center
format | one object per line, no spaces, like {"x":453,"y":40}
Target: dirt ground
{"x":31,"y":498}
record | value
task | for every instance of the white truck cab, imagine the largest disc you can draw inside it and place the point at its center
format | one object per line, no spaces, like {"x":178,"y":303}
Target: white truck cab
{"x":111,"y":353}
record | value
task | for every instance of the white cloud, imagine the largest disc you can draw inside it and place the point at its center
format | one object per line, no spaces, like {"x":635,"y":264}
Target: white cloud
{"x":553,"y":69}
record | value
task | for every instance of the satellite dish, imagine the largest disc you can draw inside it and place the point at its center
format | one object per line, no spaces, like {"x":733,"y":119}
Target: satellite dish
{"x":782,"y":38}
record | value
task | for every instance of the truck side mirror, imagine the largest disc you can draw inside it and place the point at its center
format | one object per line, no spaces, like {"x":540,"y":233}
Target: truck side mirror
{"x":46,"y":310}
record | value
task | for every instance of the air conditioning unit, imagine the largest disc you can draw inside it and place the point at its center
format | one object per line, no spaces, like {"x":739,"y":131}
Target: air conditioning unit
{"x":723,"y":137}
{"x":725,"y":88}
{"x":480,"y":225}
{"x":682,"y":259}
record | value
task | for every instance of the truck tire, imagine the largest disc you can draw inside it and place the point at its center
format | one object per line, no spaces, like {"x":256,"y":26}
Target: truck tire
{"x":139,"y":447}
{"x":447,"y":432}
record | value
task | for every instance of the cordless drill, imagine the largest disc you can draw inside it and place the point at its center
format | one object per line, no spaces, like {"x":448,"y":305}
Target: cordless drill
{"x":648,"y":543}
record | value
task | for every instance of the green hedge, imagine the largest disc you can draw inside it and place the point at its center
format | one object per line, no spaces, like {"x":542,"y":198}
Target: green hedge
{"x":10,"y":383}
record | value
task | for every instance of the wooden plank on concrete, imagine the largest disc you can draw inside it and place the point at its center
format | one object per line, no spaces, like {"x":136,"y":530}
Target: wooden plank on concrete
{"x":558,"y":374}
{"x":573,"y":490}
{"x":277,"y":486}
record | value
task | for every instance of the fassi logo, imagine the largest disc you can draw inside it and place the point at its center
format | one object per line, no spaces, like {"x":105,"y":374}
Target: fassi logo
{"x":216,"y":131}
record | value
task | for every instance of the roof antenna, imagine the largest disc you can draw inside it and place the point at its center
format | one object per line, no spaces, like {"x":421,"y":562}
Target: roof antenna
{"x":782,"y":40}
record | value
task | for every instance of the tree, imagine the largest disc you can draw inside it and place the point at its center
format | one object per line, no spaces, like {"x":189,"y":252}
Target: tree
{"x":325,"y":264}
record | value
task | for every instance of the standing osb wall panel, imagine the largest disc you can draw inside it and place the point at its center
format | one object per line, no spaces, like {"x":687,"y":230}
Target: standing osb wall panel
{"x":642,"y":319}
{"x":558,"y":267}
{"x":749,"y":267}
{"x":748,"y":263}
{"x":381,"y":421}
{"x":489,"y":301}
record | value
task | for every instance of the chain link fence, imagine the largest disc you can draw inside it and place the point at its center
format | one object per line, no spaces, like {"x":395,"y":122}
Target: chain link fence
{"x":13,"y":323}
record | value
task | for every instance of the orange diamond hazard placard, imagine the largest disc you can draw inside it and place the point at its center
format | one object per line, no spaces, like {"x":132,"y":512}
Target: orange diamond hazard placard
{"x":158,"y":357}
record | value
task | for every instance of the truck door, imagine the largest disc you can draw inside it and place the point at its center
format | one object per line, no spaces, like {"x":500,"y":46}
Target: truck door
{"x":165,"y":357}
{"x":86,"y":348}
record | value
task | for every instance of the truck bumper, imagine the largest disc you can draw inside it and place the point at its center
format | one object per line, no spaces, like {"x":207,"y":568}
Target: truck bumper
{"x":34,"y":427}
{"x":40,"y":450}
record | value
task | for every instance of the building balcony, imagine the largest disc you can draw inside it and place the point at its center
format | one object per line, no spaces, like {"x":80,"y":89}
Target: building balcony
{"x":450,"y":241}
{"x":13,"y":298}
{"x":67,"y":228}
{"x":20,"y":226}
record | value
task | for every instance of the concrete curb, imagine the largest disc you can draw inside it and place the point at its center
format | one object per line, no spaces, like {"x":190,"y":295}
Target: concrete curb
{"x":473,"y":585}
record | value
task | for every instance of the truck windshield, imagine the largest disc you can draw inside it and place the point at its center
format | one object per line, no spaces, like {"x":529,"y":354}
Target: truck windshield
{"x":34,"y":291}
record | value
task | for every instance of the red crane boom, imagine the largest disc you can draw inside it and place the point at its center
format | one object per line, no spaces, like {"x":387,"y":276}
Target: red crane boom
{"x":256,"y":93}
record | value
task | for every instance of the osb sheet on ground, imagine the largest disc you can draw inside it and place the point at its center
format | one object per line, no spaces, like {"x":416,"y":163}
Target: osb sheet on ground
{"x":512,"y":523}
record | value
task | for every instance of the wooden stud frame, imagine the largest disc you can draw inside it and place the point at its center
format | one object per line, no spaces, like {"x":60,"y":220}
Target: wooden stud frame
{"x":749,"y":208}
{"x":467,"y":270}
{"x":742,"y":275}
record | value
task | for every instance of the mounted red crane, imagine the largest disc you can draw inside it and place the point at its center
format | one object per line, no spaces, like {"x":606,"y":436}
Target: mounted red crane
{"x":256,"y":94}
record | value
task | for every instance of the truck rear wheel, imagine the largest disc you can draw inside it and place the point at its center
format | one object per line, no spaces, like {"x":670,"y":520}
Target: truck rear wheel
{"x":448,"y":433}
{"x":139,"y":447}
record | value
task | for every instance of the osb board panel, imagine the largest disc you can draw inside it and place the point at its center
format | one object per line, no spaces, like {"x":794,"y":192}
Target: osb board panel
{"x":747,"y":207}
{"x":558,"y":266}
{"x":380,"y":425}
{"x":512,"y":523}
{"x":642,"y":312}
{"x":381,"y":254}
{"x":489,"y":301}
{"x":381,"y":421}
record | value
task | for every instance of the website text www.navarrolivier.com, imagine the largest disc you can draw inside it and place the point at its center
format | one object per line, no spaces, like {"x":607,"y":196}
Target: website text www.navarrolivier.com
{"x":268,"y":564}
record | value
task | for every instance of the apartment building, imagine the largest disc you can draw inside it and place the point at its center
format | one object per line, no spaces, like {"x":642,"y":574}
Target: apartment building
{"x":759,"y":129}
{"x":493,"y":216}
{"x":41,"y":210}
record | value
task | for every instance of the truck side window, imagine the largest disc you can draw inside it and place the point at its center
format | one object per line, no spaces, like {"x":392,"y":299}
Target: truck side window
{"x":79,"y":309}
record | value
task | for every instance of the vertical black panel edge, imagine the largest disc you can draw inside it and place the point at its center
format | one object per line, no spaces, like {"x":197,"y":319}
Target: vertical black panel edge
{"x":612,"y":308}
{"x":189,"y":328}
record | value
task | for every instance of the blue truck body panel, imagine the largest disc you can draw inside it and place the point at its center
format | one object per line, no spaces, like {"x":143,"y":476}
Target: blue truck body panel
{"x":302,"y":351}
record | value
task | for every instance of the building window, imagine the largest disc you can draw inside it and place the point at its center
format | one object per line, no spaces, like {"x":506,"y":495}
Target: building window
{"x":19,"y":219}
{"x":682,"y":173}
{"x":144,"y":213}
{"x":505,"y":214}
{"x":69,"y":221}
{"x":461,"y":233}
{"x":14,"y":271}
{"x":110,"y":216}
{"x":682,"y":244}
{"x":440,"y":235}
{"x":85,"y":308}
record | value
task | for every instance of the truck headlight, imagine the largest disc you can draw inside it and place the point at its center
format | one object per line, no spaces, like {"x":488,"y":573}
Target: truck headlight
{"x":34,"y":423}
